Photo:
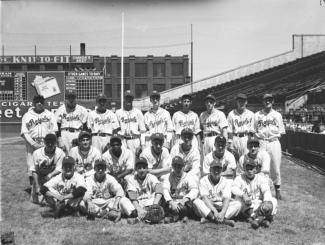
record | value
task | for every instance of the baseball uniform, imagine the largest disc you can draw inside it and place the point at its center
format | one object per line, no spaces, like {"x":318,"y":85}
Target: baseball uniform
{"x":183,"y":120}
{"x":102,"y":126}
{"x":71,"y":123}
{"x":228,"y":162}
{"x":268,"y":128}
{"x":216,"y":193}
{"x":239,"y":125}
{"x":35,"y":126}
{"x":212,"y":125}
{"x":85,"y":163}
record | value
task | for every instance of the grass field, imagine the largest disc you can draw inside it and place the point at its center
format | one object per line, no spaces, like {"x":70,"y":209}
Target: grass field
{"x":300,"y":218}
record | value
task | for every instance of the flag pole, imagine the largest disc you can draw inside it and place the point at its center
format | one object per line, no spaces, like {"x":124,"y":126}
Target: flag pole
{"x":122,"y":63}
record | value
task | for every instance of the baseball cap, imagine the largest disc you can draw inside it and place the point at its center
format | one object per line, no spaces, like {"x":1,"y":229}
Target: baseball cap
{"x":128,"y":93}
{"x":186,"y":96}
{"x":249,"y":161}
{"x":220,"y":140}
{"x":115,"y":139}
{"x":50,"y":138}
{"x":71,"y":93}
{"x":101,"y":97}
{"x":141,"y":160}
{"x":113,"y":103}
{"x":38,"y":99}
{"x":187,"y":131}
{"x":252,"y":140}
{"x":267,"y":96}
{"x":210,"y":97}
{"x":155,"y":93}
{"x":177,"y":160}
{"x":100,"y":162}
{"x":84,"y":134}
{"x":157,"y":136}
{"x":215,"y":163}
{"x":68,"y":161}
{"x":241,"y":96}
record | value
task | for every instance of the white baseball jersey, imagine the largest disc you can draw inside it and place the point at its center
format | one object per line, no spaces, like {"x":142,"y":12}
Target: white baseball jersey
{"x":213,"y":122}
{"x":158,"y":122}
{"x":45,"y":163}
{"x":216,"y":193}
{"x":106,"y":189}
{"x":115,"y":165}
{"x":131,"y":122}
{"x":240,"y":123}
{"x":38,"y":125}
{"x":228,"y":162}
{"x":256,"y":189}
{"x":146,"y":189}
{"x":268,"y":126}
{"x":72,"y":119}
{"x":262,"y":159}
{"x":102,"y":122}
{"x":192,"y":159}
{"x":85,"y":163}
{"x":178,"y":188}
{"x":183,"y":120}
{"x":155,"y":161}
{"x":59,"y":184}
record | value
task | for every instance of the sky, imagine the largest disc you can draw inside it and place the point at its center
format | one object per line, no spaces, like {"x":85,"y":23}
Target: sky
{"x":226,"y":33}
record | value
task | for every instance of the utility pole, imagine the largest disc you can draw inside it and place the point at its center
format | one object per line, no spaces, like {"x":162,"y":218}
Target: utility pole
{"x":191,"y":59}
{"x":122,"y":64}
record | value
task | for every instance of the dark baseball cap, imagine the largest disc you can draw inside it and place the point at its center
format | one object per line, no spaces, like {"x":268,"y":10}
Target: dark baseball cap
{"x":71,"y":93}
{"x":210,"y":97}
{"x":177,"y":160}
{"x":38,"y":99}
{"x":157,"y":136}
{"x":50,"y":138}
{"x":220,"y":140}
{"x":100,"y":162}
{"x":154,"y":94}
{"x":241,"y":96}
{"x":186,"y":96}
{"x":68,"y":161}
{"x":215,"y":163}
{"x":249,"y":161}
{"x":252,"y":140}
{"x":115,"y":139}
{"x":101,"y":97}
{"x":84,"y":134}
{"x":267,"y":96}
{"x":128,"y":93}
{"x":187,"y":131}
{"x":142,"y":161}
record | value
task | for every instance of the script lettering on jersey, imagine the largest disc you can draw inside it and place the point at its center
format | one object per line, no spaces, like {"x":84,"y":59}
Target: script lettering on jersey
{"x":63,"y":190}
{"x":185,"y":124}
{"x":211,"y":123}
{"x":262,"y":123}
{"x":32,"y":123}
{"x":70,"y":117}
{"x":242,"y":123}
{"x":98,"y":193}
{"x":128,"y":120}
{"x":99,"y":121}
{"x":153,"y":124}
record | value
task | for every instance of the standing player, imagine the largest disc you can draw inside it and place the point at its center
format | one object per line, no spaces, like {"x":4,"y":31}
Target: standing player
{"x":213,"y":122}
{"x":186,"y":118}
{"x":157,"y":156}
{"x":102,"y":123}
{"x":190,"y":154}
{"x":36,"y":123}
{"x":85,"y":154}
{"x":269,"y":127}
{"x":157,"y":120}
{"x":240,"y":125}
{"x":71,"y":119}
{"x":132,"y":124}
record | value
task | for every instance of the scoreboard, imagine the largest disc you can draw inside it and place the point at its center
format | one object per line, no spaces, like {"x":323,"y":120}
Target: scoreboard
{"x":13,"y":86}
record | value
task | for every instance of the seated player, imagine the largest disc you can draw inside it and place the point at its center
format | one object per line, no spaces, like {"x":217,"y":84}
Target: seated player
{"x":119,"y":160}
{"x":180,"y":189}
{"x":65,"y":191}
{"x":254,"y":192}
{"x":104,"y":193}
{"x":85,"y":154}
{"x":190,"y":154}
{"x":47,"y":164}
{"x":215,"y":203}
{"x":143,"y":188}
{"x":157,"y":156}
{"x":220,"y":154}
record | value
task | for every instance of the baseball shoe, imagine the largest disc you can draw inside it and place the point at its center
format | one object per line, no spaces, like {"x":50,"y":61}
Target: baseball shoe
{"x":278,"y":194}
{"x":185,"y":219}
{"x":175,"y":218}
{"x":203,"y":221}
{"x":91,"y":216}
{"x":168,"y":220}
{"x":133,"y":221}
{"x":257,"y":222}
{"x":229,"y":222}
{"x":265,"y":223}
{"x":47,"y":214}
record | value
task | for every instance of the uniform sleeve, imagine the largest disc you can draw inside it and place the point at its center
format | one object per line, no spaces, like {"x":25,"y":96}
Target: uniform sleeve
{"x":24,"y":129}
{"x":90,"y":123}
{"x":153,"y":181}
{"x":223,"y":120}
{"x":206,"y":165}
{"x":281,"y":125}
{"x":58,"y":166}
{"x":236,"y":188}
{"x":89,"y":186}
{"x":85,"y":114}
{"x":197,"y":128}
{"x":230,"y":123}
{"x":116,"y":188}
{"x":165,"y":159}
{"x":58,"y":115}
{"x":54,"y":123}
{"x":193,"y":188}
{"x":170,"y":126}
{"x":52,"y":183}
{"x":174,"y":118}
{"x":166,"y":189}
{"x":130,"y":183}
{"x":115,"y":123}
{"x":232,"y":162}
{"x":240,"y":168}
{"x":80,"y":181}
{"x":196,"y":163}
{"x":142,"y":126}
{"x":226,"y":192}
{"x":252,"y":124}
{"x":130,"y":160}
{"x":203,"y":188}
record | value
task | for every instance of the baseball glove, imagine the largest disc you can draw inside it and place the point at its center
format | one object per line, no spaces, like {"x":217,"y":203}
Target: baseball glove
{"x":155,"y":213}
{"x":265,"y":209}
{"x":113,"y":215}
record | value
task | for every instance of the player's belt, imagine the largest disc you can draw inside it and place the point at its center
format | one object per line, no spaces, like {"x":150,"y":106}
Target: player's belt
{"x":210,"y":134}
{"x":131,"y":137}
{"x":101,"y":134}
{"x":270,"y":140}
{"x":240,"y":134}
{"x":72,"y":130}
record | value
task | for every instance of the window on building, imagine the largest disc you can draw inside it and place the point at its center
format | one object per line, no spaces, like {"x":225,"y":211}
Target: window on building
{"x":108,"y":90}
{"x":159,"y":87}
{"x":126,"y":87}
{"x":159,"y":70}
{"x":141,"y":90}
{"x":108,"y":70}
{"x":60,"y":67}
{"x":126,"y":69}
{"x":141,"y":70}
{"x":177,"y":69}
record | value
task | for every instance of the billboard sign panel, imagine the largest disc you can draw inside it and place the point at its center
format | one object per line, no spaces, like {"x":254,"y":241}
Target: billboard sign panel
{"x":46,"y":59}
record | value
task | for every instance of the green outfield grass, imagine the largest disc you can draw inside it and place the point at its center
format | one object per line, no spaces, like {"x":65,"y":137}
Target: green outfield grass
{"x":300,"y":218}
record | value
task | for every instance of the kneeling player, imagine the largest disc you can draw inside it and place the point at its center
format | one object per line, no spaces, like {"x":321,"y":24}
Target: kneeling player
{"x":180,"y":189}
{"x":65,"y":191}
{"x":254,"y":192}
{"x":105,"y":194}
{"x":215,"y":203}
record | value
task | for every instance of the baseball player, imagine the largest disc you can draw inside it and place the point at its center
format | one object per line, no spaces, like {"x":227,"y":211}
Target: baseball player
{"x":71,"y":119}
{"x":158,"y":120}
{"x":254,"y":191}
{"x":102,"y":122}
{"x":119,"y":160}
{"x":104,"y":193}
{"x":186,"y":118}
{"x":213,"y":122}
{"x":113,"y":107}
{"x":85,"y":154}
{"x":180,"y":190}
{"x":36,"y":123}
{"x":157,"y":156}
{"x":143,"y":188}
{"x":131,"y":121}
{"x":215,"y":203}
{"x":240,"y":126}
{"x":269,"y":127}
{"x":190,"y":154}
{"x":220,"y":154}
{"x":47,"y":164}
{"x":65,"y":191}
